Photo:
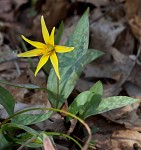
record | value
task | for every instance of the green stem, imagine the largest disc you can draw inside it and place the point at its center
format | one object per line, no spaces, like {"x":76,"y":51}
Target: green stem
{"x":64,"y":135}
{"x":86,"y":145}
{"x":57,"y":96}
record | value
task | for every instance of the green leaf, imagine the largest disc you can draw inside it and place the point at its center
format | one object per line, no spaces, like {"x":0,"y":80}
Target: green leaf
{"x":59,"y":33}
{"x":31,"y":144}
{"x":90,"y":103}
{"x":86,"y":102}
{"x":11,"y":128}
{"x":26,"y":86}
{"x":7,"y":100}
{"x":94,"y":102}
{"x":71,"y":64}
{"x":97,"y":88}
{"x":28,"y":119}
{"x":114,"y":102}
{"x":4,"y":144}
{"x":22,"y":138}
{"x":78,"y":103}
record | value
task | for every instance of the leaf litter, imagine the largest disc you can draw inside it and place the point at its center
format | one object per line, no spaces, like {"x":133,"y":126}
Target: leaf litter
{"x":114,"y":29}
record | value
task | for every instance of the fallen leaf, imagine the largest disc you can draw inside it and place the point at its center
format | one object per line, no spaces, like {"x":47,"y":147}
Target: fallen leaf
{"x":133,"y":12}
{"x":132,"y":90}
{"x":104,"y":33}
{"x":48,"y":144}
{"x":128,"y":115}
{"x":6,"y":10}
{"x":125,"y":140}
{"x":97,"y":3}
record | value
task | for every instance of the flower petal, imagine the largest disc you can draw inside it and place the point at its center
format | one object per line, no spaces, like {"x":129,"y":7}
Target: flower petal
{"x":44,"y":30}
{"x":54,"y":61}
{"x":31,"y":53}
{"x":34,"y":43}
{"x":63,"y":49}
{"x":51,"y":38}
{"x":42,"y":61}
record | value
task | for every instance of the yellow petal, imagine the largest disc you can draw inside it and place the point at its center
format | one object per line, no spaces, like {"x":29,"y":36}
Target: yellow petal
{"x":54,"y":61}
{"x":51,"y":38}
{"x":31,"y":53}
{"x":34,"y":43}
{"x":63,"y":49}
{"x":42,"y":61}
{"x":44,"y":30}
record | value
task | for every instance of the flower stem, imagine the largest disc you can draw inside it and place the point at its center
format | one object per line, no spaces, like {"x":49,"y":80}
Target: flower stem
{"x":57,"y":95}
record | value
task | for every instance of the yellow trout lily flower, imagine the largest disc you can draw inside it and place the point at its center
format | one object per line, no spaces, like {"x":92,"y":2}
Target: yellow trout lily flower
{"x":47,"y":49}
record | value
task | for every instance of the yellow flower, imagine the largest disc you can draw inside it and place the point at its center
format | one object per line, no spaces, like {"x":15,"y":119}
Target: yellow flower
{"x":47,"y":49}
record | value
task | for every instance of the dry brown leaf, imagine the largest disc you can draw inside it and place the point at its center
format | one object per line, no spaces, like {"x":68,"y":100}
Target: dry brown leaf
{"x":19,"y":93}
{"x":127,"y":45}
{"x":132,"y":8}
{"x":97,"y":3}
{"x":128,"y":115}
{"x":48,"y":144}
{"x":103,"y":130}
{"x":133,"y":12}
{"x":69,"y":27}
{"x":55,"y":125}
{"x":125,"y":140}
{"x":6,"y":10}
{"x":38,"y":97}
{"x":111,"y":136}
{"x":135,"y":24}
{"x":135,"y":76}
{"x":104,"y":34}
{"x":19,"y":3}
{"x":53,"y":14}
{"x":132,"y":90}
{"x":118,"y":70}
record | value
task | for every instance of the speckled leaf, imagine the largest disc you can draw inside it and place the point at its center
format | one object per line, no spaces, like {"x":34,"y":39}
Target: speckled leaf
{"x":86,"y":102}
{"x":27,"y":86}
{"x":71,"y":64}
{"x":113,"y":103}
{"x":28,"y":119}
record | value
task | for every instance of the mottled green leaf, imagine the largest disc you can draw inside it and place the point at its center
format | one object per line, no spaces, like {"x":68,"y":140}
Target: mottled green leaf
{"x":28,"y":119}
{"x":71,"y":64}
{"x":114,"y":102}
{"x":86,"y":102}
{"x":13,"y":126}
{"x":7,"y":100}
{"x":97,"y":88}
{"x":26,"y":86}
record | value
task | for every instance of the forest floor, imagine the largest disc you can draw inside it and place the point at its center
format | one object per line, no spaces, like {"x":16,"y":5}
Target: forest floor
{"x":115,"y":29}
